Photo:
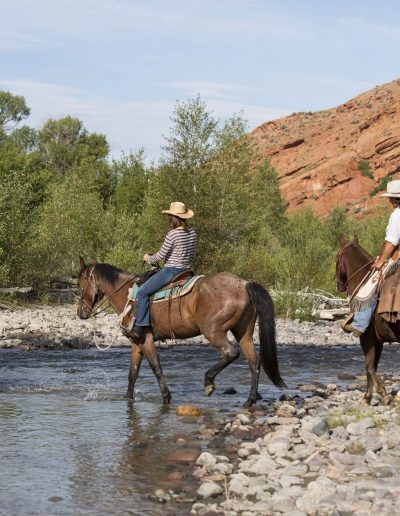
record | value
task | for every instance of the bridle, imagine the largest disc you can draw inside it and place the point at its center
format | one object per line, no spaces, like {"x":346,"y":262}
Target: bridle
{"x":97,"y":296}
{"x":342,"y":281}
{"x":100,"y":301}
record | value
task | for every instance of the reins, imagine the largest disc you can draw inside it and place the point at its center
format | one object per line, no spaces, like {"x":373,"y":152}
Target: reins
{"x":340,"y":262}
{"x":357,"y":271}
{"x":101,"y":305}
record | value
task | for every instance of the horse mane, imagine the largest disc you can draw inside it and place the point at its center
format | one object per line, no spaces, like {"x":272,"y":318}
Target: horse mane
{"x":110,"y":273}
{"x":356,"y":249}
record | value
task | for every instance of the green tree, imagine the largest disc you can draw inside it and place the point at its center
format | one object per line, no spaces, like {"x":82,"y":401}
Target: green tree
{"x":131,"y":178}
{"x":21,"y":192}
{"x":13,"y":109}
{"x":69,"y":224}
{"x":210,"y":167}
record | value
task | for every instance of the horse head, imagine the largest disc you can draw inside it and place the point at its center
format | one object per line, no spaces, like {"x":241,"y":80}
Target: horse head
{"x":341,"y":269}
{"x":89,"y":290}
{"x":351,"y":260}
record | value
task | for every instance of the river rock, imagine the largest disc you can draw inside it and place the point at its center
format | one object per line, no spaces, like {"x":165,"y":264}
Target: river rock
{"x":206,"y":460}
{"x":188,"y":410}
{"x":186,"y":455}
{"x":223,"y":468}
{"x":282,"y":503}
{"x":239,"y":483}
{"x":308,"y":387}
{"x":321,"y":428}
{"x":285,"y":410}
{"x":245,"y":420}
{"x":315,"y":461}
{"x":346,"y":459}
{"x":296,"y":468}
{"x":279,"y":445}
{"x":209,"y":489}
{"x":161,"y":495}
{"x":360,"y":427}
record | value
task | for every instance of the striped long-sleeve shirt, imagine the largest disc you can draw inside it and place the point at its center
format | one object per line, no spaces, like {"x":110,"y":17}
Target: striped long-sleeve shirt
{"x":177,"y":250}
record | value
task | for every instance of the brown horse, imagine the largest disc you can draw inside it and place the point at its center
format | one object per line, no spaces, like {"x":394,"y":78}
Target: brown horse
{"x":216,"y":304}
{"x":352,"y":264}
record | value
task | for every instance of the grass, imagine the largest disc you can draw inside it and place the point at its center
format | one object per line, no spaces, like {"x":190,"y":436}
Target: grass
{"x":353,"y":415}
{"x":382,"y":185}
{"x":365,"y":169}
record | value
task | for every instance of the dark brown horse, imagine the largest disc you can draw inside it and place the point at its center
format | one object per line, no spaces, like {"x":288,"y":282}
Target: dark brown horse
{"x":352,"y":264}
{"x":217,"y":303}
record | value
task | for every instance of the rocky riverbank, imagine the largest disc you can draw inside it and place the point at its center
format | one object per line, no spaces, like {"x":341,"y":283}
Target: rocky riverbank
{"x":39,"y":327}
{"x":325,"y":454}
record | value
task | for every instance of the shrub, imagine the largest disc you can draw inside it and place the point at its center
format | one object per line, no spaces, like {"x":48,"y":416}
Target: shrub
{"x":365,"y":169}
{"x":381,"y":186}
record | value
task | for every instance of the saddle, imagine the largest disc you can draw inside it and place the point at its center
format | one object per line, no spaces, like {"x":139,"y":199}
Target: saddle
{"x":180,"y":285}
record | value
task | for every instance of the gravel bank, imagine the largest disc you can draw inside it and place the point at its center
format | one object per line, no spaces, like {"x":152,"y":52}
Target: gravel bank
{"x":326,"y":454}
{"x":59,"y":327}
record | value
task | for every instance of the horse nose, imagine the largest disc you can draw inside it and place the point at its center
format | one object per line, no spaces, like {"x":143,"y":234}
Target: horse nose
{"x":81,"y":312}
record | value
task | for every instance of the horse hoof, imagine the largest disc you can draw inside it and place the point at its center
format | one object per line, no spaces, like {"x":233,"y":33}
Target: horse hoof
{"x":248,"y":404}
{"x":366,"y":401}
{"x":209,"y":389}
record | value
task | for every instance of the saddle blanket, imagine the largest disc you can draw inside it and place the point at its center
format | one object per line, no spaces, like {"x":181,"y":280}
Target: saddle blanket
{"x":389,"y":302}
{"x":171,"y":292}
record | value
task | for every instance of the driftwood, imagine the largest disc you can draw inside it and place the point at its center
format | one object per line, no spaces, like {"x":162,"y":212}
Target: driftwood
{"x":326,"y":306}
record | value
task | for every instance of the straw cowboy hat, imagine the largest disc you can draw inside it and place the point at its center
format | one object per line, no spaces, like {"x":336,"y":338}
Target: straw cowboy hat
{"x":179,"y":210}
{"x":392,"y":189}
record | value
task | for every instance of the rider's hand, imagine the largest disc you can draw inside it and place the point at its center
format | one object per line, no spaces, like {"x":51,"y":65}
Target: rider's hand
{"x":378,"y":264}
{"x":146,"y":257}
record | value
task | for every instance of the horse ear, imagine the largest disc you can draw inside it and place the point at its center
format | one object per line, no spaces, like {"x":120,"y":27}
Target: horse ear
{"x":342,"y":241}
{"x":81,"y":263}
{"x":355,"y":239}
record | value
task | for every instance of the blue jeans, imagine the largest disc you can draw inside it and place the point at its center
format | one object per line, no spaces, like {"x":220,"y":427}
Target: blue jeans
{"x":362,"y":318}
{"x":152,"y":285}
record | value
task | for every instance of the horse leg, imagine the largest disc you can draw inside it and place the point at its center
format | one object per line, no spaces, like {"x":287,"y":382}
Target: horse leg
{"x":249,"y":351}
{"x":229,"y":353}
{"x":372,"y":349}
{"x":149,"y":349}
{"x":379,"y":383}
{"x":136,"y":360}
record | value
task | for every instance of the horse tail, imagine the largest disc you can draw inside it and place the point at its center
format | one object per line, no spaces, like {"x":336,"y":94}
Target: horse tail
{"x":266,"y":325}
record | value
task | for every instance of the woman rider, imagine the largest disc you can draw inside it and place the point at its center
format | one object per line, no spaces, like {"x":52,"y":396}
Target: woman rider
{"x":177,"y":251}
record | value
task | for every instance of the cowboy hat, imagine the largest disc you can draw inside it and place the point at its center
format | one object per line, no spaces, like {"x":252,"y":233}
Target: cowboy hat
{"x":178,"y":209}
{"x":392,"y":189}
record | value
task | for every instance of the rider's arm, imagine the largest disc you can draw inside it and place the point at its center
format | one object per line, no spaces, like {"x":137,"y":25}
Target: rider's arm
{"x":164,"y":252}
{"x":392,"y":239}
{"x":386,"y":253}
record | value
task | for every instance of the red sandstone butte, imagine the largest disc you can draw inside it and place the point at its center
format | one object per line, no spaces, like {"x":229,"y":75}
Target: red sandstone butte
{"x":337,"y":156}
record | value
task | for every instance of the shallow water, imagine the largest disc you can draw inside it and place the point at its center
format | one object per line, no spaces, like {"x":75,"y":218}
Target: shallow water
{"x":71,"y":444}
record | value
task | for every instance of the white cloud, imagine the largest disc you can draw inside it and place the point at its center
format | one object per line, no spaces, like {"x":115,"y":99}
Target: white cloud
{"x":208,"y":89}
{"x":12,"y":40}
{"x":128,"y":125}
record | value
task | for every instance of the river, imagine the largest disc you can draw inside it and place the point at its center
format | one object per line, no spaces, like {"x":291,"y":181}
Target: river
{"x":71,"y":444}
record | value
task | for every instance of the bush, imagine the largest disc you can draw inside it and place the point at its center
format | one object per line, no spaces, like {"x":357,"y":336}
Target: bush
{"x":364,"y":168}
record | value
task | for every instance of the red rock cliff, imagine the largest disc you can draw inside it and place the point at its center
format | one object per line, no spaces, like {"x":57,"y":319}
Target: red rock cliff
{"x":338,"y":156}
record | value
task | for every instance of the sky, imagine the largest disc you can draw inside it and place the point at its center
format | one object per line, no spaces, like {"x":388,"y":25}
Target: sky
{"x":120,"y":66}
